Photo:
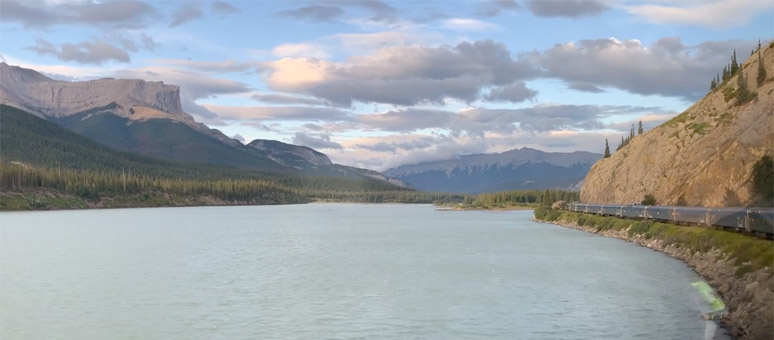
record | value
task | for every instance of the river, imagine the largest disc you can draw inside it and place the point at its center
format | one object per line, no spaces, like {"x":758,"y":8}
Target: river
{"x":333,"y":271}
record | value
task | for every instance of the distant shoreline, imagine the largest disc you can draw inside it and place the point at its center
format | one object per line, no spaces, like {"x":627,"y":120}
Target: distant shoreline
{"x":470,"y":207}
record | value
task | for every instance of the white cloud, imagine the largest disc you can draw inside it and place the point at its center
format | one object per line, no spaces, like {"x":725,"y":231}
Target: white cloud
{"x":716,"y":14}
{"x":463,"y":24}
{"x":303,"y":50}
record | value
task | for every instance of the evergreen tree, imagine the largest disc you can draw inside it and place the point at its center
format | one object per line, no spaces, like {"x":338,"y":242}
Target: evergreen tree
{"x":734,"y":65}
{"x":631,"y":133}
{"x":713,"y":85}
{"x":762,"y":179}
{"x":725,"y":73}
{"x":649,"y":200}
{"x":761,"y":69}
{"x":741,"y":82}
{"x":607,"y":149}
{"x":640,"y":130}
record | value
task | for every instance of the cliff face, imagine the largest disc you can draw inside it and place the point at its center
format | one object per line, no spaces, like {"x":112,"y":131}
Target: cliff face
{"x":53,"y":98}
{"x":704,"y":155}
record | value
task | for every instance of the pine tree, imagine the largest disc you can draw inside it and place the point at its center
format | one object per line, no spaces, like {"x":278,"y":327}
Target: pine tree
{"x":713,"y":85}
{"x":639,"y":129}
{"x":741,"y":82}
{"x":725,"y":73}
{"x":734,"y":65}
{"x":607,"y":149}
{"x":761,"y":69}
{"x":631,"y":133}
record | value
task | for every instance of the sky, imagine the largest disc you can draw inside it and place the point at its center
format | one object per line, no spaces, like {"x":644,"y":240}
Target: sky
{"x":378,"y":84}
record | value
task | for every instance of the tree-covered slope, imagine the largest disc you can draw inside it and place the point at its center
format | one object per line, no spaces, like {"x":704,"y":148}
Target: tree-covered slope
{"x":31,"y":140}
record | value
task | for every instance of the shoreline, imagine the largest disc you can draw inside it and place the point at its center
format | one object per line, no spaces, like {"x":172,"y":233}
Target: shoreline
{"x":749,"y":297}
{"x":467,"y":207}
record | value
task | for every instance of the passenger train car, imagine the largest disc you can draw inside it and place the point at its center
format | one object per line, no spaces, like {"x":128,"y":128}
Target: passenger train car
{"x":751,"y":220}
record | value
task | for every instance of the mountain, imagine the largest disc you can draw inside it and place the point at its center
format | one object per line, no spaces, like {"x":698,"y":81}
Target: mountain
{"x":704,"y":155}
{"x":523,"y":168}
{"x":147,"y":118}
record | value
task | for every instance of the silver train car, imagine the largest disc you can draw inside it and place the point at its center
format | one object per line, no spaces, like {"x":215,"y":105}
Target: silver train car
{"x":750,"y":220}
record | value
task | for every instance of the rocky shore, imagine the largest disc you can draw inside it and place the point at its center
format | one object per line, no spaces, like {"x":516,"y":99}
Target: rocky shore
{"x":747,"y":292}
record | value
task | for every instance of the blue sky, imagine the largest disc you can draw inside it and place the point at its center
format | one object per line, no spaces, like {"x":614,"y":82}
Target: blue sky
{"x":379,"y":84}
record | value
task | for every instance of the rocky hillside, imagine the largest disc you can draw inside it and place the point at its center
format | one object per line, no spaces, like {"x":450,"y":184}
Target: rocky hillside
{"x":523,"y":168}
{"x":704,"y":155}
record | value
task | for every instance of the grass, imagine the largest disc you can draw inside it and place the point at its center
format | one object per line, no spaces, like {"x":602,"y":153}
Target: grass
{"x":39,"y":201}
{"x":749,"y":253}
{"x":700,"y":128}
{"x":681,"y":118}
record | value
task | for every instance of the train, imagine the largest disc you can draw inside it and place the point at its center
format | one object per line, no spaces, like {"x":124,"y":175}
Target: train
{"x":758,"y":220}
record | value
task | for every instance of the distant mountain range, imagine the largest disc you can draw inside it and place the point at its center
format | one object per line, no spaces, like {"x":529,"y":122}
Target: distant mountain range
{"x":523,"y":168}
{"x":147,"y":118}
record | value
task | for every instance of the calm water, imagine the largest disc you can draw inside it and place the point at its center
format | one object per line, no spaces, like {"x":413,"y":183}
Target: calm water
{"x":333,"y":271}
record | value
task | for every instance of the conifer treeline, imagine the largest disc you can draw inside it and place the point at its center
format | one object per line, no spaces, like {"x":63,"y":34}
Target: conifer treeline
{"x":524,"y":197}
{"x":91,"y":185}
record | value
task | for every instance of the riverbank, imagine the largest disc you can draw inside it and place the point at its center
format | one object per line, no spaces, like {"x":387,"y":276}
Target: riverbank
{"x":468,"y":207}
{"x":52,"y":200}
{"x":737,"y":266}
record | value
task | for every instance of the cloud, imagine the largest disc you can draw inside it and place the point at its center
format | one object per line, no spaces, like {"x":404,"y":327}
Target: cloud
{"x":186,"y":13}
{"x":715,"y":13}
{"x":463,"y":24}
{"x":314,"y":13}
{"x":279,"y":113}
{"x":584,"y":87}
{"x":566,"y":8}
{"x":493,"y":8}
{"x":315,"y":141}
{"x":130,"y":42}
{"x":86,"y":52}
{"x":305,"y":50}
{"x":406,"y":120}
{"x":38,"y":14}
{"x":514,"y":93}
{"x":402,"y":75}
{"x":224,"y":66}
{"x":222,"y":9}
{"x":667,"y":67}
{"x":367,"y":42}
{"x":239,"y":138}
{"x":380,"y":11}
{"x":284,"y":99}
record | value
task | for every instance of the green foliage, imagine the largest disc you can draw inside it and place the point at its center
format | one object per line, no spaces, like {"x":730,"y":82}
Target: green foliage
{"x":700,"y":128}
{"x":762,"y":180}
{"x":640,"y":130}
{"x":607,"y":149}
{"x":761,"y":70}
{"x":542,"y":198}
{"x":731,"y":199}
{"x":749,"y":253}
{"x":681,"y":118}
{"x":649,"y":199}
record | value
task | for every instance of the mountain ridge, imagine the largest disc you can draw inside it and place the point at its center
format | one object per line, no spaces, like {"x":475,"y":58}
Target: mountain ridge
{"x":523,"y":168}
